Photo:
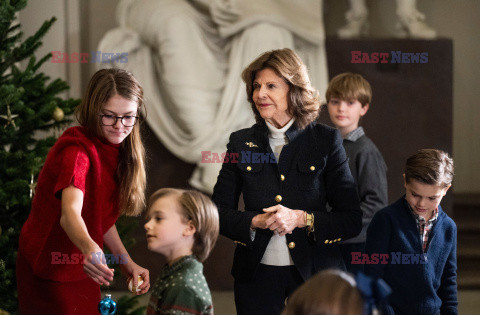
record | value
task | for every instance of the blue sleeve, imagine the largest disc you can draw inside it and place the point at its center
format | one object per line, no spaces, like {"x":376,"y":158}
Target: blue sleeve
{"x":448,"y":287}
{"x":378,"y":242}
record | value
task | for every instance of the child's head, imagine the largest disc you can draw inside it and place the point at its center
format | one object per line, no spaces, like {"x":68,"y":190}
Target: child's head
{"x":348,"y":99}
{"x":181,"y":222}
{"x":428,"y":175}
{"x":350,"y":87}
{"x":114,"y":93}
{"x":332,"y":292}
{"x":111,"y":93}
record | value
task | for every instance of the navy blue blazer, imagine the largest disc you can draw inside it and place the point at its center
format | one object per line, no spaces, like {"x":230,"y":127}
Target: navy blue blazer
{"x":312,"y":170}
{"x":420,"y":285}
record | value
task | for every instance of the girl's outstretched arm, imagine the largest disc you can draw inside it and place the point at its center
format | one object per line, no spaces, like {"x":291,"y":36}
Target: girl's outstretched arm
{"x":72,"y":223}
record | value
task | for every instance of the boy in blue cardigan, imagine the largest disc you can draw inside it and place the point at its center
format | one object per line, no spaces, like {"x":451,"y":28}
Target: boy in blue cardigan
{"x":412,"y":243}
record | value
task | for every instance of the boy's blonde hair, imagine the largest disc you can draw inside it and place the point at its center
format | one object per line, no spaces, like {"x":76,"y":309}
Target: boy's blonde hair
{"x":431,"y":167}
{"x":199,"y":209}
{"x":349,"y":86}
{"x":332,"y":292}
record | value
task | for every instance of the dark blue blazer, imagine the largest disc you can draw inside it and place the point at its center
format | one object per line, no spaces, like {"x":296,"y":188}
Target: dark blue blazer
{"x":314,"y":169}
{"x":419,"y":286}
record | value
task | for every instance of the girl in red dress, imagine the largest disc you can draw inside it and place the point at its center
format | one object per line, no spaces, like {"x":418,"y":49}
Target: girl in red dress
{"x":94,"y":173}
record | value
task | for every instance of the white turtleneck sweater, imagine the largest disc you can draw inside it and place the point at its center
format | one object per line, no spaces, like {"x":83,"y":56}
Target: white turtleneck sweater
{"x":277,"y":253}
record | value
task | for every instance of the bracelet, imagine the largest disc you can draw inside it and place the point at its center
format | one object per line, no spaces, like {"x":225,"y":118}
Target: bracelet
{"x":312,"y":227}
{"x":309,"y":221}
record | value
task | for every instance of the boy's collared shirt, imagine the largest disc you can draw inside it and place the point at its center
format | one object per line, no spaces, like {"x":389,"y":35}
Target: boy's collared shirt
{"x":355,"y":134}
{"x":424,"y":226}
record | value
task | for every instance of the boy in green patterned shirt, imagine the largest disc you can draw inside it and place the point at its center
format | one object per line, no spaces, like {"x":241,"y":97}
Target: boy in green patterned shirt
{"x":183,"y":226}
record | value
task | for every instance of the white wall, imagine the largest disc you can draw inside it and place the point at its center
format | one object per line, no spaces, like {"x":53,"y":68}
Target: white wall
{"x":455,"y":19}
{"x":64,"y":36}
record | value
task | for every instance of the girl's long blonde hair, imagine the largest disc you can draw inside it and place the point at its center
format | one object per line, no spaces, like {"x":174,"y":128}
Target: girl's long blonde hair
{"x":131,"y":175}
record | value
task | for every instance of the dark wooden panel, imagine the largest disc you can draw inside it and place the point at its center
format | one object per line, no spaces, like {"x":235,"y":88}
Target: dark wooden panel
{"x":411,"y":107}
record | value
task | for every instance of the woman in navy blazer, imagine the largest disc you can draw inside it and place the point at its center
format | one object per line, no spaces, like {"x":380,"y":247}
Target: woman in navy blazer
{"x":288,"y":168}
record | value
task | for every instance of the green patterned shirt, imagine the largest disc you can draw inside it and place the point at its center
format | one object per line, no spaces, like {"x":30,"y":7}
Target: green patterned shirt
{"x":181,"y":289}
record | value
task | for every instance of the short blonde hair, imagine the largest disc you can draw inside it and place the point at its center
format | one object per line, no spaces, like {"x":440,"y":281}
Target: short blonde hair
{"x":431,"y":167}
{"x":330,"y":292}
{"x":349,"y":86}
{"x":303,"y":102}
{"x":199,"y":209}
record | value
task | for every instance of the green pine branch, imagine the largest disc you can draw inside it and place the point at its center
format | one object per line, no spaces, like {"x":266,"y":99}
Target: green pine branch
{"x":30,"y":97}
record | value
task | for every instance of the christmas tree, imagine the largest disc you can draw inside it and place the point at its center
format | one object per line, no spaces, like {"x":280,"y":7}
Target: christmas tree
{"x":30,"y":113}
{"x":29,"y":109}
{"x":29,"y":106}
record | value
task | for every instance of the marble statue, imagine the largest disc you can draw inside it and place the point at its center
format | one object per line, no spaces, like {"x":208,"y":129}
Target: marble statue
{"x":411,"y":22}
{"x":188,"y":55}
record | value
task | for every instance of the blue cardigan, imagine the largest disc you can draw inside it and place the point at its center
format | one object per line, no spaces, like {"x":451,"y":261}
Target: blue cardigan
{"x":421,"y":283}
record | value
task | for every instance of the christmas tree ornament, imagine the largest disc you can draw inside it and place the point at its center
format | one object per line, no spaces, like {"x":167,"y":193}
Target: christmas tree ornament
{"x":32,"y":186}
{"x":58,"y":114}
{"x":107,"y":306}
{"x":139,"y":283}
{"x":9,"y":118}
